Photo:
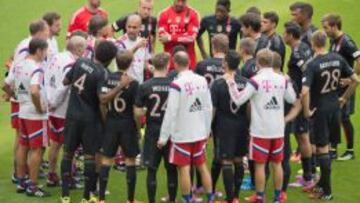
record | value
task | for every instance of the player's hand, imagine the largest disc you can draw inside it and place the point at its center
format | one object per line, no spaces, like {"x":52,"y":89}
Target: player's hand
{"x":141,"y":43}
{"x":342,"y":102}
{"x":160,"y":145}
{"x":6,"y":97}
{"x":229,"y":76}
{"x":345,"y":82}
{"x":125,"y":80}
{"x":164,"y":38}
{"x":310,"y":113}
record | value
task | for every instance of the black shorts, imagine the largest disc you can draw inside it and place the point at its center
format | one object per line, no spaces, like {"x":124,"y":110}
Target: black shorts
{"x":86,"y":133}
{"x":349,"y":108}
{"x":231,"y":140}
{"x":152,"y":155}
{"x":300,"y":124}
{"x":121,"y":133}
{"x":325,"y":127}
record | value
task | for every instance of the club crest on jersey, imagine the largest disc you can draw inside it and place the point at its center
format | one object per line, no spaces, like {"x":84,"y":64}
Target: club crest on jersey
{"x":219,"y":28}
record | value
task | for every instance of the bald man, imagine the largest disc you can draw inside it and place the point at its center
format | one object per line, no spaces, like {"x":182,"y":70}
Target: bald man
{"x":137,"y":45}
{"x":58,"y":97}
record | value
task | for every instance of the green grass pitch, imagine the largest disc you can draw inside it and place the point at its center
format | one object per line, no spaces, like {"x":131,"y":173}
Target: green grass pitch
{"x":15,"y":16}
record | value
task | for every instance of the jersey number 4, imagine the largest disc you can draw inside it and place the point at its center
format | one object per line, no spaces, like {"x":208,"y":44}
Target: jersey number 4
{"x":79,"y":83}
{"x":331,"y":80}
{"x":155,"y":112}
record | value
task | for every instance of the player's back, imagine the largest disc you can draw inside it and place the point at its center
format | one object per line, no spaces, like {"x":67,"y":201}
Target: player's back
{"x":324,"y":73}
{"x":121,"y":107}
{"x":248,"y":70}
{"x":296,"y":64}
{"x":211,"y":69}
{"x":153,"y":95}
{"x":86,"y":78}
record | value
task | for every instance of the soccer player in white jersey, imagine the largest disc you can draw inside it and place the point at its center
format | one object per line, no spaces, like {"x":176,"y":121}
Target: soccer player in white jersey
{"x":32,"y":117}
{"x":39,"y":30}
{"x":266,"y":92}
{"x":53,"y":20}
{"x":97,"y":30}
{"x":138,"y":45}
{"x":58,"y":97}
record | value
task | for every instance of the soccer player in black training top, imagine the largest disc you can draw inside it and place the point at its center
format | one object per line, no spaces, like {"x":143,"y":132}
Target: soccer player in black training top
{"x":148,"y":23}
{"x":269,"y":23}
{"x":251,"y":27}
{"x":342,"y":44}
{"x":211,"y":68}
{"x":302,"y":13}
{"x":82,"y":124}
{"x":300,"y":54}
{"x":120,"y":126}
{"x":322,"y":104}
{"x":230,"y":128}
{"x":247,"y":52}
{"x":151,"y":100}
{"x":220,"y":22}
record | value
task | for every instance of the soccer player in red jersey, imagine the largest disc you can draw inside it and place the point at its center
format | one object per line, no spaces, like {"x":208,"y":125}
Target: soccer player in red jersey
{"x":179,"y":24}
{"x":82,"y":16}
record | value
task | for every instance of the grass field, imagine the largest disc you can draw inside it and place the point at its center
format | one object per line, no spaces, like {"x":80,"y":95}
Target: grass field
{"x":15,"y":16}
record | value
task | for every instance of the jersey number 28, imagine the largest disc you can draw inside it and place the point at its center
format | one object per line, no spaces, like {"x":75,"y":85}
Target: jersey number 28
{"x":331,"y":80}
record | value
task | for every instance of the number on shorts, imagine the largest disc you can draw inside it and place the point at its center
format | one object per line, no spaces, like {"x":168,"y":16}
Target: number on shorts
{"x":155,"y":111}
{"x":332,"y":80}
{"x":79,"y":83}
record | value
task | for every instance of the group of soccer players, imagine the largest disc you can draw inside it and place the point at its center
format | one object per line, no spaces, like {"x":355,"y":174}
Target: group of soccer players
{"x":98,"y":94}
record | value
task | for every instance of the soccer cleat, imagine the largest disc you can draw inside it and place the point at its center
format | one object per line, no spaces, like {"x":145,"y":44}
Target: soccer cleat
{"x":195,"y":199}
{"x":45,"y":165}
{"x":218,"y":194}
{"x":32,"y":191}
{"x":52,"y":180}
{"x":14,"y":179}
{"x":333,"y":154}
{"x":20,"y":188}
{"x":348,"y":155}
{"x":64,"y":199}
{"x":253,"y":199}
{"x":247,"y":185}
{"x":283,"y":196}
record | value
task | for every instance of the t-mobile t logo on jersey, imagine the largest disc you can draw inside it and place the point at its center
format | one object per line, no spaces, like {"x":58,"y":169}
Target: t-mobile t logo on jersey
{"x":273,"y":104}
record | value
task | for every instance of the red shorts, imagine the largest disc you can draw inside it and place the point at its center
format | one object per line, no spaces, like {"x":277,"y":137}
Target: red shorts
{"x":33,"y":133}
{"x":15,"y":115}
{"x":56,"y":129}
{"x":263,"y":150}
{"x":183,"y":154}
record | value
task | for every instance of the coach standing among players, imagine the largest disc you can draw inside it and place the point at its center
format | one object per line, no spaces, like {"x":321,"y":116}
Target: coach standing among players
{"x":82,"y":16}
{"x":322,"y":104}
{"x":179,"y":24}
{"x":343,"y":44}
{"x":187,"y":124}
{"x":219,"y":23}
{"x":267,"y":92}
{"x":302,"y":13}
{"x":137,"y":45}
{"x":53,"y":20}
{"x":148,"y":22}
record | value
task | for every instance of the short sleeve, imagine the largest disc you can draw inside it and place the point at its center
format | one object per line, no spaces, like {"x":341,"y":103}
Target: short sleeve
{"x":351,"y":49}
{"x":37,"y":77}
{"x":308,"y":75}
{"x":203,"y":26}
{"x":346,"y":70}
{"x":70,"y":74}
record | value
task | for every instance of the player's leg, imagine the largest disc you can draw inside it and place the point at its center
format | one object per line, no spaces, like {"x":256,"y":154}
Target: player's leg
{"x":106,"y":162}
{"x":171,"y":173}
{"x":276,"y":158}
{"x":185,"y":182}
{"x":348,"y":128}
{"x":241,"y":149}
{"x":286,"y":163}
{"x":228,"y":179}
{"x":21,"y":157}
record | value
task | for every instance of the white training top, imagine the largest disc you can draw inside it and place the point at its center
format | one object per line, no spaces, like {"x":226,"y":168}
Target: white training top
{"x":141,"y":56}
{"x":53,"y":48}
{"x":57,"y":93}
{"x":267,"y":91}
{"x":28,"y":73}
{"x":189,"y":110}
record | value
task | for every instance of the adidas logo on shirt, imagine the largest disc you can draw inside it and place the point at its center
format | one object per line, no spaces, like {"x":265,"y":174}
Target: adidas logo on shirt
{"x":272,"y":104}
{"x":196,"y":106}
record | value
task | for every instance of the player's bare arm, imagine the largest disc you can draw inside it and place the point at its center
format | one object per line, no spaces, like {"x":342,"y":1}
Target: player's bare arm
{"x":7,"y":89}
{"x":201,"y":46}
{"x":107,"y":97}
{"x":35,"y":97}
{"x":305,"y":93}
{"x":294,"y":111}
{"x":355,"y":81}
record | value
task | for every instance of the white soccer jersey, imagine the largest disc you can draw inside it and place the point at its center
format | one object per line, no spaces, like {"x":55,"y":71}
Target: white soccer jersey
{"x":90,"y":47}
{"x":267,"y":91}
{"x":53,"y":48}
{"x":57,"y":93}
{"x":28,"y":73}
{"x":141,"y":56}
{"x":189,"y":110}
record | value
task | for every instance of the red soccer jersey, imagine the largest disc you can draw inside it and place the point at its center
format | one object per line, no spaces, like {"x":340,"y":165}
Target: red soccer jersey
{"x":81,"y":18}
{"x":183,"y":28}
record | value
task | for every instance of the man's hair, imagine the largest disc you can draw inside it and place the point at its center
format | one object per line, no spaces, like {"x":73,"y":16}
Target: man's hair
{"x":96,"y":23}
{"x":105,"y":52}
{"x":293,"y":29}
{"x":124,"y":59}
{"x":333,"y":20}
{"x":161,"y":61}
{"x":76,"y":42}
{"x":37,"y":26}
{"x":182,"y":59}
{"x":224,"y":3}
{"x":79,"y":33}
{"x":251,"y":20}
{"x":272,"y":16}
{"x":248,"y":45}
{"x":265,"y":58}
{"x":277,"y":61}
{"x":220,"y":42}
{"x":305,"y":8}
{"x":51,"y":17}
{"x":253,"y":9}
{"x":178,"y":48}
{"x":318,"y":39}
{"x":36,"y":44}
{"x":232,"y":58}
{"x":133,"y":17}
